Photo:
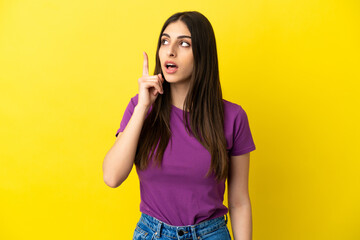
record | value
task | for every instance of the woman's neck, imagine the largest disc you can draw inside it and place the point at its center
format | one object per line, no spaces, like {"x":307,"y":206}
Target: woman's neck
{"x":178,"y":93}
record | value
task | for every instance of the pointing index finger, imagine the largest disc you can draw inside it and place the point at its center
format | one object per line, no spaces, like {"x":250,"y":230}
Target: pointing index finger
{"x":145,"y":65}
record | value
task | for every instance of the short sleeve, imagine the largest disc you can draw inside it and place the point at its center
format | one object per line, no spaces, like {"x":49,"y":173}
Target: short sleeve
{"x":127,"y":114}
{"x":242,"y":138}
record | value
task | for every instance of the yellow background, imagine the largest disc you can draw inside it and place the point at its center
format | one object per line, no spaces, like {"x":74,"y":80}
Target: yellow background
{"x":69,"y":68}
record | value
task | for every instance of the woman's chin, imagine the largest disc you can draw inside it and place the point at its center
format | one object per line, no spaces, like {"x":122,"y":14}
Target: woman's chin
{"x":174,"y":79}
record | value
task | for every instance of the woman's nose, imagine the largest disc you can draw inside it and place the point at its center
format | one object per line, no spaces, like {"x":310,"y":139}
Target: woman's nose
{"x":172,"y":51}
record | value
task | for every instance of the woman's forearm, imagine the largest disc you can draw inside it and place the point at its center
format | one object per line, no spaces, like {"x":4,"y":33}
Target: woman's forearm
{"x":119,"y":160}
{"x":241,"y":222}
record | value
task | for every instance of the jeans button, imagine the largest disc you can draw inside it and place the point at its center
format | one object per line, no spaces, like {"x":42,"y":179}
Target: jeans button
{"x":181,"y":232}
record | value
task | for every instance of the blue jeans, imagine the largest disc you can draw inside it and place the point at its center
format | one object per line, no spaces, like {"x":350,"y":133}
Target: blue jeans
{"x":150,"y":228}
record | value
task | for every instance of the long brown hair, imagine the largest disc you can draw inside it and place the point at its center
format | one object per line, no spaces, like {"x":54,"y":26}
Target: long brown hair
{"x":204,"y":102}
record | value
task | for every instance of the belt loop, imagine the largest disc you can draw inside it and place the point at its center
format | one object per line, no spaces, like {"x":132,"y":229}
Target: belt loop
{"x":158,"y":230}
{"x":193,"y":233}
{"x":226,"y":218}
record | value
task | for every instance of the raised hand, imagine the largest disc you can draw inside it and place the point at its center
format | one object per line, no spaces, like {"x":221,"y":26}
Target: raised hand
{"x":149,"y":86}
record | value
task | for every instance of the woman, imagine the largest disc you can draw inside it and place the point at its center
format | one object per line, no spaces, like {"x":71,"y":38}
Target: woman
{"x":185,"y":141}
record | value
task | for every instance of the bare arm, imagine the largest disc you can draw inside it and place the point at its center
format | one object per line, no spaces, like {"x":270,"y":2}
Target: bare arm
{"x":119,"y":160}
{"x":238,"y":197}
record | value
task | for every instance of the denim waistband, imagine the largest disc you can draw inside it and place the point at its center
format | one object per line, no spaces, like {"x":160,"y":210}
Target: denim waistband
{"x":187,"y":232}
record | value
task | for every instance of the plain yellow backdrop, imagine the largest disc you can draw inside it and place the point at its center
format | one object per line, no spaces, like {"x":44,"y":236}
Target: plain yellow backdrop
{"x":69,"y":68}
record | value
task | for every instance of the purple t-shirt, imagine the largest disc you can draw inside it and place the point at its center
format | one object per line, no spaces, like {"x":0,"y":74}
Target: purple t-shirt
{"x":179,"y":194}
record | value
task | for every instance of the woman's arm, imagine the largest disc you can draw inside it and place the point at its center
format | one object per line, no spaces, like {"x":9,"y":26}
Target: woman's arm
{"x":238,"y":197}
{"x":119,"y":160}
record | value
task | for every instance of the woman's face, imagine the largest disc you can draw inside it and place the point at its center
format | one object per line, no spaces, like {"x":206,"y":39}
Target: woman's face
{"x":175,"y":53}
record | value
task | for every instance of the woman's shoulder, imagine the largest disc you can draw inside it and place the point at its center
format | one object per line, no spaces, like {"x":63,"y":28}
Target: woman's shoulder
{"x":234,"y":115}
{"x":135,"y":99}
{"x":232,"y":109}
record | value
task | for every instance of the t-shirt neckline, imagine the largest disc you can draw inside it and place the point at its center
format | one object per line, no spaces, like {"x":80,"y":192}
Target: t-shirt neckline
{"x":178,"y":109}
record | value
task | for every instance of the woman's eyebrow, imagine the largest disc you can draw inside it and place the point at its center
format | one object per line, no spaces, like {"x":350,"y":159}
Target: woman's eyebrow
{"x":181,"y":36}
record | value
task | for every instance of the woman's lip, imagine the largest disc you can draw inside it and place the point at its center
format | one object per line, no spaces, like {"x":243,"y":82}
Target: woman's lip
{"x":171,"y":70}
{"x":168,"y":62}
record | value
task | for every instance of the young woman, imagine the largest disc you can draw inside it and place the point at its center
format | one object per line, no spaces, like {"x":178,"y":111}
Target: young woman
{"x":185,"y":141}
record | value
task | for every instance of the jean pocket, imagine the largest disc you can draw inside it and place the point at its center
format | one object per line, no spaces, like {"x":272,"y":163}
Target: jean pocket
{"x":221,"y":233}
{"x":139,"y":234}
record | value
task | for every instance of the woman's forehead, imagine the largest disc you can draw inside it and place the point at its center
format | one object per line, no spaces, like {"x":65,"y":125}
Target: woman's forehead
{"x":176,"y":29}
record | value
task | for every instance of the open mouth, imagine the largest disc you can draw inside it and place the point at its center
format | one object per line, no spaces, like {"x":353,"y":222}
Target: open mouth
{"x":171,"y":66}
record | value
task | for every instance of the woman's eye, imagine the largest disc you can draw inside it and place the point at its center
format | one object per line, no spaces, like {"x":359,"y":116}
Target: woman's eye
{"x":186,"y":44}
{"x":182,"y":43}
